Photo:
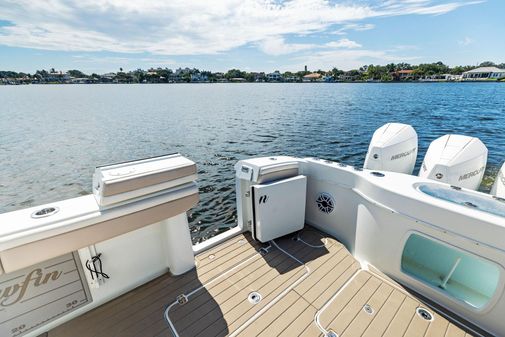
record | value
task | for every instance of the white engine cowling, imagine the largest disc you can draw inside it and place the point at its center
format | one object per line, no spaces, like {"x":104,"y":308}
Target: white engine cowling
{"x":456,"y":160}
{"x":393,"y":148}
{"x":499,"y":184}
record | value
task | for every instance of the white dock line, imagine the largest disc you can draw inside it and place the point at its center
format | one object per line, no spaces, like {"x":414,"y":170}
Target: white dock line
{"x":260,"y":312}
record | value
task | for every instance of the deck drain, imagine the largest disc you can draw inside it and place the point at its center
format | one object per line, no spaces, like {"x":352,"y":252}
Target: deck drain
{"x":368,"y":309}
{"x":425,"y":314}
{"x":254,"y":297}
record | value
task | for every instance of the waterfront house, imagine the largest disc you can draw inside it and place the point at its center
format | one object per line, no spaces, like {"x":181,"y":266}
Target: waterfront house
{"x":291,"y":79}
{"x":403,"y":75}
{"x":314,"y":77}
{"x":55,"y":76}
{"x":107,"y":78}
{"x":274,"y":77}
{"x":440,"y":78}
{"x":328,"y":78}
{"x":199,"y":77}
{"x":484,"y":74}
{"x":80,"y":80}
{"x":174,"y":78}
{"x":258,"y":77}
{"x":349,"y":76}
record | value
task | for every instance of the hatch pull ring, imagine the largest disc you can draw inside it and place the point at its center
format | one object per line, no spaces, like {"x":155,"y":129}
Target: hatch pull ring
{"x":182,"y":299}
{"x":94,"y":265}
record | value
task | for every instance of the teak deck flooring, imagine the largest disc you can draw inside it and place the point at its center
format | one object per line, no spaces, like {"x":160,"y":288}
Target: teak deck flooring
{"x":299,"y":281}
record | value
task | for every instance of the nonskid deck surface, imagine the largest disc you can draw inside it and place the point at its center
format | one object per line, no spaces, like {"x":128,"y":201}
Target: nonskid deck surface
{"x":308,"y":287}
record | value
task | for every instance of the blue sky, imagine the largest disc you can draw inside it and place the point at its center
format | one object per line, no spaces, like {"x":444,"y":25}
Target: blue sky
{"x":255,"y":35}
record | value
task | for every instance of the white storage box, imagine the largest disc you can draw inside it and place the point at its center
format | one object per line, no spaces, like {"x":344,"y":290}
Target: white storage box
{"x":278,"y":208}
{"x":117,"y":183}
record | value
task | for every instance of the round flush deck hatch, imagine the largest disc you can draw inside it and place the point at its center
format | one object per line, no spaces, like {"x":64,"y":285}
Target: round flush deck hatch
{"x":425,"y":314}
{"x":254,"y":297}
{"x":368,"y":309}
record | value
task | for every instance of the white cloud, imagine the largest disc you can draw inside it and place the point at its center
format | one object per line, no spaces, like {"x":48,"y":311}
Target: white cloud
{"x":466,"y":41}
{"x":125,"y":60}
{"x":277,"y":46}
{"x":405,"y":47}
{"x":184,"y":27}
{"x":343,"y":43}
{"x":353,"y":26}
{"x":424,"y":7}
{"x":347,"y":59}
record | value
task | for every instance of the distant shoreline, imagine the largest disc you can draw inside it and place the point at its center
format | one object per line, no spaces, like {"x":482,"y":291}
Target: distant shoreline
{"x":391,"y":73}
{"x":273,"y":83}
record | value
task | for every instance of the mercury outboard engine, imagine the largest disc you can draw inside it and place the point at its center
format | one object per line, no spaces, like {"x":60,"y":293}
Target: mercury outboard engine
{"x":393,"y":148}
{"x":456,"y":160}
{"x":499,"y":184}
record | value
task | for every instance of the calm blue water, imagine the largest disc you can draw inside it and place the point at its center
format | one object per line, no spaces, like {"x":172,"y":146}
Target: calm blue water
{"x":52,"y":137}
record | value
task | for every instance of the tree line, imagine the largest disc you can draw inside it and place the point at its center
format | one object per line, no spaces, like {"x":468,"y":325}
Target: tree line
{"x":366,"y":72}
